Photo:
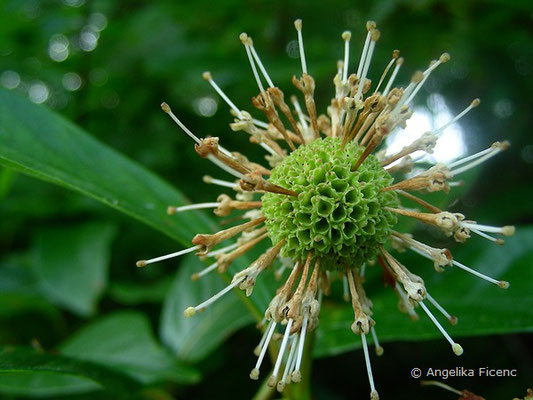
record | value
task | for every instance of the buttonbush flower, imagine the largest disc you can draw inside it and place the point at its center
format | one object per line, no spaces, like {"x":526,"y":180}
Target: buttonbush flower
{"x":328,"y":199}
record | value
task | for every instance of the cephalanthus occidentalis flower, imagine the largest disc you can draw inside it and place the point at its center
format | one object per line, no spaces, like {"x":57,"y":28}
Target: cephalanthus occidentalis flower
{"x":329,"y":200}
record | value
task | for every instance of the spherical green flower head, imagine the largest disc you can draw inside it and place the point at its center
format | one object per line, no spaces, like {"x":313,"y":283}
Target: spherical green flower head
{"x":339,"y":213}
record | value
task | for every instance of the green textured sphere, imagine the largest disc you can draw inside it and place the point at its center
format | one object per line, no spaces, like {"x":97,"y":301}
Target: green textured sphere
{"x":339,"y":213}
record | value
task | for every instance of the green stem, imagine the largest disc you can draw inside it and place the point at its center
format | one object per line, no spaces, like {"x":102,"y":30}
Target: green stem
{"x":265,"y":392}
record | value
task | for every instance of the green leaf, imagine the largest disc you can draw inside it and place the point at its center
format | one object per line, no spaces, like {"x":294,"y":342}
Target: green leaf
{"x":124,"y":341}
{"x":71,"y":265}
{"x":132,"y":293}
{"x":482,"y":308}
{"x":193,"y":338}
{"x":40,"y":143}
{"x":24,"y":371}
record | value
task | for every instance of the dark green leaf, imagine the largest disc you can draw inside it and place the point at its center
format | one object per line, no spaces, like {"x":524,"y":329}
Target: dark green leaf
{"x":47,"y":146}
{"x":193,"y":338}
{"x":24,"y":371}
{"x":132,"y":293}
{"x":482,"y":308}
{"x":124,"y":341}
{"x":71,"y":265}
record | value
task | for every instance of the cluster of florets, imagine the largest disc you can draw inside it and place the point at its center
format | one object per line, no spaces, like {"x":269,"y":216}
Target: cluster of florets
{"x":329,"y":200}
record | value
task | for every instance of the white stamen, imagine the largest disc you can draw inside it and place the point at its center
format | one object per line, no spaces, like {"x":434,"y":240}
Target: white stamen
{"x":223,"y":166}
{"x":362,"y":79}
{"x":363,"y":270}
{"x":257,"y":350}
{"x":443,"y":386}
{"x":268,"y":148}
{"x":471,"y":157}
{"x":467,"y":269}
{"x":373,"y":392}
{"x":363,"y":53}
{"x":399,"y":63}
{"x":456,"y":183}
{"x":197,"y":206}
{"x":244,"y":39}
{"x":320,"y":296}
{"x":387,"y":68}
{"x":457,"y":349}
{"x":475,"y":162}
{"x":203,"y":272}
{"x":143,"y":263}
{"x":485,"y":236}
{"x":219,"y":182}
{"x":279,"y":272}
{"x":301,"y":115}
{"x":259,"y":123}
{"x":298,"y":26}
{"x":345,"y":290}
{"x":283,"y":347}
{"x":202,"y":306}
{"x":296,"y":375}
{"x":261,"y":66}
{"x":416,"y":89}
{"x":222,"y":250}
{"x":288,"y":364}
{"x":472,"y":105}
{"x":346,"y":36}
{"x":504,"y":230}
{"x":378,"y":348}
{"x":255,"y":372}
{"x":451,"y":318}
{"x":166,"y":108}
{"x":207,"y":76}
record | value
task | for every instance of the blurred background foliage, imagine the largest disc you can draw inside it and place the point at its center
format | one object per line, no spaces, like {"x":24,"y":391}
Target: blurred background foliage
{"x":67,"y":276}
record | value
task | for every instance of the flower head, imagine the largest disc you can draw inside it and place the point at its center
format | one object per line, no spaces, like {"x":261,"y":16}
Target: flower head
{"x":329,"y":199}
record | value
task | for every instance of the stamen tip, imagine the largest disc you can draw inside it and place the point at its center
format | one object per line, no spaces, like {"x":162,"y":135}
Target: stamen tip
{"x":453,"y":320}
{"x":346,"y":35}
{"x":207,"y":179}
{"x":296,"y":376}
{"x":508,"y":230}
{"x":374,"y":395}
{"x":141,"y":263}
{"x":457,"y":349}
{"x":254,"y":374}
{"x":476,"y":102}
{"x":417,"y":77}
{"x":298,"y":24}
{"x":399,"y":61}
{"x":207,"y":76}
{"x":166,"y":108}
{"x":171,"y":210}
{"x":444,"y":58}
{"x":189,"y":312}
{"x":379,"y":351}
{"x":503,"y":284}
{"x":195,"y":277}
{"x":272,"y":381}
{"x":500,"y":242}
{"x":375,"y":35}
{"x":395,"y":54}
{"x":370,"y":25}
{"x":281,"y":386}
{"x":244,"y":38}
{"x":257,"y":351}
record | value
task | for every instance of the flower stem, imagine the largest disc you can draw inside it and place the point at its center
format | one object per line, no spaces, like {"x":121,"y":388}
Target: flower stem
{"x":265,"y":392}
